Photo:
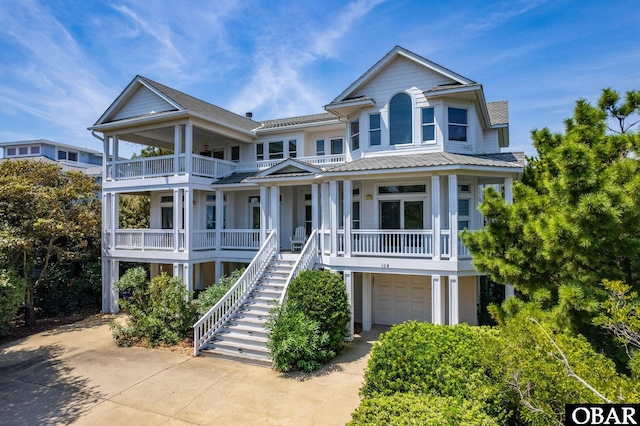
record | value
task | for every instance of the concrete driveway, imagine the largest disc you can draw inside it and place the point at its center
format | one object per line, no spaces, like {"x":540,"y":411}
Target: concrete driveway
{"x":77,"y":375}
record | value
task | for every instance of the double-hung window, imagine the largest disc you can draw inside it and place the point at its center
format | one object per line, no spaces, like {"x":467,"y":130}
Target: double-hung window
{"x":320,"y":147}
{"x":428,"y":125}
{"x":260,"y":152}
{"x":375,"y":133}
{"x":355,"y":134}
{"x":276,"y":150}
{"x":293,"y":148}
{"x":458,"y":124}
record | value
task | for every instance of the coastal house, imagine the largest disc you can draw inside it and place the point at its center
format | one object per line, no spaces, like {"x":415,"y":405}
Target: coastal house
{"x":376,"y":188}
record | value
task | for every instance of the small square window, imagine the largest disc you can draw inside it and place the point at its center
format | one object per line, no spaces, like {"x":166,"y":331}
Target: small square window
{"x":23,"y":150}
{"x":11,"y":151}
{"x":62,"y":155}
{"x":73,"y":156}
{"x":166,"y":199}
{"x":35,"y":150}
{"x":337,"y":146}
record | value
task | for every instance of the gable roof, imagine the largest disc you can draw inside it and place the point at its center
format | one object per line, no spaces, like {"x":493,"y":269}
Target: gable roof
{"x":180,"y":102}
{"x":393,"y":53}
{"x":287,"y":167}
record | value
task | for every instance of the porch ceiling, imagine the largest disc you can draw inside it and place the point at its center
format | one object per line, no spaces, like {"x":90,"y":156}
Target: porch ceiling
{"x":164,"y":138}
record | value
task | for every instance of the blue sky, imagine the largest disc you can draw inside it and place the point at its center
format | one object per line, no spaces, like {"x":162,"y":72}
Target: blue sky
{"x":64,"y":62}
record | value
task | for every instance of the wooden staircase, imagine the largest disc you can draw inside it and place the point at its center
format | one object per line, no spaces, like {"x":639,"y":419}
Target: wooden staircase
{"x":243,"y":337}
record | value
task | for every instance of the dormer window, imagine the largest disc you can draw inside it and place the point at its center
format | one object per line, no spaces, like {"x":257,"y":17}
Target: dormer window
{"x":458,"y":124}
{"x":400,"y":122}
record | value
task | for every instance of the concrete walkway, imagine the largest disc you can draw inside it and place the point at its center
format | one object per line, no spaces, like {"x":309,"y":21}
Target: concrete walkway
{"x":77,"y":375}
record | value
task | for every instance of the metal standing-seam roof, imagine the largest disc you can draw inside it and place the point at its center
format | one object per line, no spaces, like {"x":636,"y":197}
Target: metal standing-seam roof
{"x":435,"y":159}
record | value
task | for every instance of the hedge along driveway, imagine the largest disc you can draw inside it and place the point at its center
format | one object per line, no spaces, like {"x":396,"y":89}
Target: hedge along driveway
{"x":77,"y":374}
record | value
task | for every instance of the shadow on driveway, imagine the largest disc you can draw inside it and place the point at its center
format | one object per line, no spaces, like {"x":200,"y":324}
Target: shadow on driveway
{"x":37,"y":388}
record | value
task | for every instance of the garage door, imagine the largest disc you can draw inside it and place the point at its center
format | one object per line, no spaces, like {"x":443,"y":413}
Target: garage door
{"x":399,"y":298}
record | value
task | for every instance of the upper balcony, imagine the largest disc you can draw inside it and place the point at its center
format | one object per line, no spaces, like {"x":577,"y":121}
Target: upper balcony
{"x":198,"y":165}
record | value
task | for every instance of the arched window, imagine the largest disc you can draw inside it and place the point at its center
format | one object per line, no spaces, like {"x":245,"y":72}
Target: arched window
{"x":400,"y":122}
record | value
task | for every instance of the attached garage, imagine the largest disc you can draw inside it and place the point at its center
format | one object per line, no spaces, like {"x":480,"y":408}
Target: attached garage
{"x":400,"y":298}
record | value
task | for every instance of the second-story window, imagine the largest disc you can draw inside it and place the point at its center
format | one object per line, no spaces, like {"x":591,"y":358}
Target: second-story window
{"x":428,"y":125}
{"x":260,"y":152}
{"x":293,"y":148}
{"x":320,"y":147}
{"x":67,"y":155}
{"x":400,"y":122}
{"x":235,"y":153}
{"x":355,"y":135}
{"x":458,"y":124}
{"x":375,"y":133}
{"x":337,"y":146}
{"x":276,"y":150}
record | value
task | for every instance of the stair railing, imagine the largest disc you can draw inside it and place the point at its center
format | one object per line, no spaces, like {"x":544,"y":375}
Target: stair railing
{"x":217,"y":316}
{"x":308,"y":258}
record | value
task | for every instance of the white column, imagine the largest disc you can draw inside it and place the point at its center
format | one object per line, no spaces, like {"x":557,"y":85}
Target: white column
{"x":324,"y":219}
{"x":219,"y":219}
{"x":106,"y":174}
{"x":188,"y":218}
{"x":437,"y":300}
{"x":509,"y":290}
{"x":188,"y":147}
{"x":348,"y":281}
{"x":114,"y":276}
{"x":366,"y":301}
{"x":177,"y":197}
{"x":177,"y":147}
{"x":314,"y":206}
{"x":187,"y":277}
{"x":453,"y":216}
{"x":115,"y":215}
{"x":177,"y":270}
{"x":333,"y":206}
{"x":218,"y":272}
{"x":436,"y":216}
{"x":116,"y":147}
{"x":454,"y":300}
{"x":275,"y":213}
{"x":347,"y":195}
{"x":106,"y":285}
{"x":264,"y":218}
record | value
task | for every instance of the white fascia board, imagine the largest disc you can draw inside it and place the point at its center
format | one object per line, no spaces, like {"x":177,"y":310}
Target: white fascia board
{"x":240,"y":185}
{"x":287,"y":179}
{"x":382,"y":172}
{"x":159,"y":93}
{"x":136,"y":121}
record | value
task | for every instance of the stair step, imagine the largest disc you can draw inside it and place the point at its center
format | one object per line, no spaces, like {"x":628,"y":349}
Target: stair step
{"x":237,"y":338}
{"x":231,"y":355}
{"x":248,"y":329}
{"x":267,"y":289}
{"x":248,"y":321}
{"x":254,"y":315}
{"x":239,"y":347}
{"x":268,"y":298}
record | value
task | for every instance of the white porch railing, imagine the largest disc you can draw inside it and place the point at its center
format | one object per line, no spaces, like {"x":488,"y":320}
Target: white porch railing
{"x":204,"y":240}
{"x":210,"y":323}
{"x":308,"y":258}
{"x":240,"y":239}
{"x":392,"y":243}
{"x":324,"y":160}
{"x":145,"y":167}
{"x":445,"y":243}
{"x":211,"y":167}
{"x":144,"y":239}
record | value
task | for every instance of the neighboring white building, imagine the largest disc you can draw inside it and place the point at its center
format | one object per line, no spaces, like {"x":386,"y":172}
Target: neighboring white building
{"x":386,"y":177}
{"x":69,"y":157}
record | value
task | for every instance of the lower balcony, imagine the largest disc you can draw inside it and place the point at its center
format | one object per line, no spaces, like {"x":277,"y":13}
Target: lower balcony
{"x":165,"y":239}
{"x":414,"y":243}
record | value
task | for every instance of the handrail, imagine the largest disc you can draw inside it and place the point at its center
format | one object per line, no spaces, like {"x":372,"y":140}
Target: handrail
{"x":215,"y":318}
{"x":308,"y":256}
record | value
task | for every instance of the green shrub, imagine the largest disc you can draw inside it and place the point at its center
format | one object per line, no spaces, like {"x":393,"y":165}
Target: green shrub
{"x":12,"y":290}
{"x":69,"y":288}
{"x":447,"y":361}
{"x":414,"y":409}
{"x":210,"y":295}
{"x":533,"y":368}
{"x":159,"y":311}
{"x":295,"y":340}
{"x":322,"y":296}
{"x":309,"y":329}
